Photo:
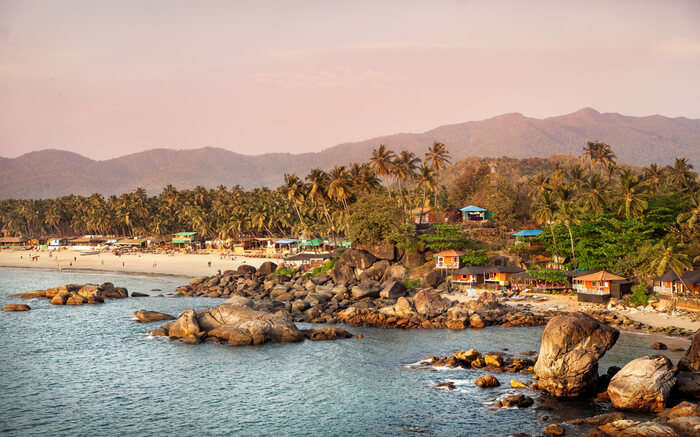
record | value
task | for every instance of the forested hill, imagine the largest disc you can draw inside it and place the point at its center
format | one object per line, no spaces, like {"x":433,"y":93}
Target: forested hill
{"x":636,"y":140}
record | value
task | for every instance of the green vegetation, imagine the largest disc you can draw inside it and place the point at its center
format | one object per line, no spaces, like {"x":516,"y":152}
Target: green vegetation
{"x":548,"y":275}
{"x":444,"y":237}
{"x":290,"y":271}
{"x":326,"y":267}
{"x":376,"y":219}
{"x":411,"y":284}
{"x":476,"y":257}
{"x":639,"y":296}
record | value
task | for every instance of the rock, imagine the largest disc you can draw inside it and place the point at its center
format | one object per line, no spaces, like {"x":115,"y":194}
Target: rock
{"x":691,"y":360}
{"x":403,"y":308}
{"x":262,"y":326}
{"x":476,"y":322}
{"x":16,"y":307}
{"x":240,"y":301}
{"x":137,"y":294}
{"x":59,"y":299}
{"x":145,"y":316}
{"x":413,"y":260}
{"x":487,"y":381}
{"x":515,"y":401}
{"x":196,"y":281}
{"x":358,"y":258}
{"x":115,"y":293}
{"x":51,"y":292}
{"x":326,"y":333}
{"x":554,"y":429}
{"x":659,"y":346}
{"x":518,"y":384}
{"x":493,"y":360}
{"x":430,"y":304}
{"x":266,"y":268}
{"x":379,"y":251}
{"x":245,"y":269}
{"x":392,"y":290}
{"x":88,"y":290}
{"x":688,"y":385}
{"x":397,"y":272}
{"x":365,"y":289}
{"x":449,"y":385}
{"x":35,"y":294}
{"x":232,"y":335}
{"x":342,"y":273}
{"x":644,"y":384}
{"x":186,"y":324}
{"x":375,"y":272}
{"x":485,"y":301}
{"x":683,"y":409}
{"x":75,"y":299}
{"x":567,"y":365}
{"x":600,"y":419}
{"x":632,"y":428}
{"x":92,"y":300}
{"x":434,"y":278}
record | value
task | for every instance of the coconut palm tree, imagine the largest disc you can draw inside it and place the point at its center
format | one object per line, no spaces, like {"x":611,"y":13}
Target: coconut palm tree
{"x":667,"y":254}
{"x":691,"y":218}
{"x":437,"y":157}
{"x":594,"y":194}
{"x":567,"y":213}
{"x":382,"y":163}
{"x":631,"y":192}
{"x":654,"y":177}
{"x":544,"y":211}
{"x":295,"y":194}
{"x":681,"y":174}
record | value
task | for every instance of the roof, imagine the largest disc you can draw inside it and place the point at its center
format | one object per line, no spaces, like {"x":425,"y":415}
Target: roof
{"x":129,"y":241}
{"x":285,"y":241}
{"x":185,"y":234}
{"x":449,"y":252}
{"x":477,"y":270}
{"x":307,"y":256}
{"x":600,"y":276}
{"x":528,"y":233}
{"x":472,"y":208}
{"x":689,"y":277}
{"x":420,"y":211}
{"x":12,"y":240}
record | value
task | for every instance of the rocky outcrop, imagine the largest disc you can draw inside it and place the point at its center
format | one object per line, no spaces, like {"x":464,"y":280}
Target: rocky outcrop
{"x":571,"y":347}
{"x":34,"y":294}
{"x":429,"y":303}
{"x":267,"y":267}
{"x":379,"y":251}
{"x":242,"y":325}
{"x":16,"y":307}
{"x":691,"y":360}
{"x":392,"y":290}
{"x":687,"y":385}
{"x":644,"y":384}
{"x":145,"y":316}
{"x":515,"y":401}
{"x":245,"y":269}
{"x":434,"y":278}
{"x":473,"y":359}
{"x":358,"y":259}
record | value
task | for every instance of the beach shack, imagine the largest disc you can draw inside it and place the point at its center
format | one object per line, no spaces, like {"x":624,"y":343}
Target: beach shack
{"x":284,"y":245}
{"x":595,"y":287}
{"x":184,"y":239}
{"x":129,"y":242}
{"x":422,"y":216}
{"x":526,"y":236}
{"x":468,"y":277}
{"x":448,"y":259}
{"x":670,"y":284}
{"x":13,"y":242}
{"x":308,"y":259}
{"x":474,"y":214}
{"x":500,"y":276}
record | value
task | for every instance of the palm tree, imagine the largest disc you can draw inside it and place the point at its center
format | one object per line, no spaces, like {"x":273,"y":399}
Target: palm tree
{"x":654,"y":177}
{"x":538,"y":185}
{"x":577,"y":176}
{"x":318,"y":180}
{"x":382,"y":162}
{"x":437,"y":157}
{"x":594,"y":194}
{"x":681,"y":173}
{"x":667,"y":254}
{"x":295,"y":194}
{"x":631,"y":191}
{"x":544,"y":212}
{"x":691,"y":218}
{"x":591,"y":151}
{"x":567,"y":214}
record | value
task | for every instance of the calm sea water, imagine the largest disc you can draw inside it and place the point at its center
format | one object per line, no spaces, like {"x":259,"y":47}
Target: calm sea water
{"x":89,"y":370}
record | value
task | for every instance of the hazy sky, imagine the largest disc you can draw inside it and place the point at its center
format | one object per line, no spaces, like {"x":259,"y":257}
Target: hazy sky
{"x":106,"y":78}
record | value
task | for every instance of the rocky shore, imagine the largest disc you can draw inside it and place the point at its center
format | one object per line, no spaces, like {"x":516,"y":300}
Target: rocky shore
{"x":77,"y":294}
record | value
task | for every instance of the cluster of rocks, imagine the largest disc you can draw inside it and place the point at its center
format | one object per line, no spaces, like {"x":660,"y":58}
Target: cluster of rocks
{"x":621,"y":321}
{"x":77,"y":294}
{"x":496,"y":362}
{"x":237,"y":322}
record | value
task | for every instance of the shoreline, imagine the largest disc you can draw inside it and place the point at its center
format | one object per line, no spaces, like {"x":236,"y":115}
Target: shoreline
{"x":181,"y":265}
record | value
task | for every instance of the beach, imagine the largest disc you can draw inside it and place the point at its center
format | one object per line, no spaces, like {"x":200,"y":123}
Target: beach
{"x":188,"y":265}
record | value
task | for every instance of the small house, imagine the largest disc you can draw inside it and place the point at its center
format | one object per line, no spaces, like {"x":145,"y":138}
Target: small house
{"x":422,"y":216}
{"x":468,"y":277}
{"x":670,"y":284}
{"x":129,"y":242}
{"x":500,"y":276}
{"x":13,"y":242}
{"x":526,"y":236}
{"x":474,"y":214}
{"x":595,"y":287}
{"x":489,"y":276}
{"x":448,"y":259}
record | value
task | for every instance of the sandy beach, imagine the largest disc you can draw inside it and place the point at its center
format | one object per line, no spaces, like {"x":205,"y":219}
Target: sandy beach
{"x":189,"y":265}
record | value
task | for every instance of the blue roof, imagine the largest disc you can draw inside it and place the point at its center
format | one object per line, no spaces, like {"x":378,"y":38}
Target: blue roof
{"x":528,"y":233}
{"x":472,"y":208}
{"x":286,"y":241}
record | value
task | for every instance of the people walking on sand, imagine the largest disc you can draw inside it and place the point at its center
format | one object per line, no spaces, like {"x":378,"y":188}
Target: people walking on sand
{"x":209,"y":264}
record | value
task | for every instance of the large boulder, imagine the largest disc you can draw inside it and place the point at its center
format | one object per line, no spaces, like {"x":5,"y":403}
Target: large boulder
{"x":376,"y":271}
{"x":403,"y":308}
{"x":34,"y":294}
{"x":358,"y":259}
{"x":413,"y":260}
{"x":571,"y":346}
{"x":115,"y":293}
{"x":262,"y":326}
{"x":644,"y":384}
{"x":185,"y":325}
{"x":366,"y":289}
{"x":342,"y":273}
{"x":485,"y":301}
{"x":326,"y":333}
{"x":434,"y":278}
{"x":430,"y":304}
{"x":392,"y":290}
{"x":245,"y":269}
{"x":88,"y":290}
{"x":145,"y":316}
{"x":267,"y":267}
{"x":688,"y":385}
{"x":16,"y":307}
{"x":396,"y":272}
{"x":379,"y":251}
{"x":691,"y":360}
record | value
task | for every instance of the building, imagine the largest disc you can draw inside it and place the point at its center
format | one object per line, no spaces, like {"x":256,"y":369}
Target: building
{"x":489,"y":276}
{"x":13,"y":242}
{"x":448,"y":259}
{"x":129,"y":242}
{"x":669,"y":284}
{"x":184,"y":239}
{"x":595,"y":287}
{"x":474,"y":214}
{"x":422,"y":216}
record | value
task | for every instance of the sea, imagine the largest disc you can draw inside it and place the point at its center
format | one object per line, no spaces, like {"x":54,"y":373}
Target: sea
{"x":92,"y":371}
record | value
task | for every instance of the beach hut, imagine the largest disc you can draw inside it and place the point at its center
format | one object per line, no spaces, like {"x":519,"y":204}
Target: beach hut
{"x":474,"y":214}
{"x":670,"y":284}
{"x":500,"y":276}
{"x":595,"y":287}
{"x":13,"y":242}
{"x":468,"y":277}
{"x":184,"y":238}
{"x":423,"y":216}
{"x":448,"y":259}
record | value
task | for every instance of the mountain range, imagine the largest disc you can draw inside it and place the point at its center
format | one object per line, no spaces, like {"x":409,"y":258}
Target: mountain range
{"x":635,"y":140}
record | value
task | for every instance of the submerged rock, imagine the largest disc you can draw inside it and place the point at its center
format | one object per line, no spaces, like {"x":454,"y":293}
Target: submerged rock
{"x":567,"y":365}
{"x":644,"y":384}
{"x":16,"y":307}
{"x":326,"y":333}
{"x":515,"y":401}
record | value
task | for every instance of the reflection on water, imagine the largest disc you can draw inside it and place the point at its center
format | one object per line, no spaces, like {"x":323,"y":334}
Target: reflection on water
{"x":90,"y":370}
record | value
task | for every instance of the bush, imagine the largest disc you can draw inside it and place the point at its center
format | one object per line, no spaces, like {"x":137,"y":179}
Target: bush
{"x":375,"y":219}
{"x":411,"y":284}
{"x":639,"y":296}
{"x":324,"y":268}
{"x":291,"y":271}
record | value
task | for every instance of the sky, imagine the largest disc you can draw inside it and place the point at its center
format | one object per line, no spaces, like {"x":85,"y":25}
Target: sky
{"x":109,"y":78}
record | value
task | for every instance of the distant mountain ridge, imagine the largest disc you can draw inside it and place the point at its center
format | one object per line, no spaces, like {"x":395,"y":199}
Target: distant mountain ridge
{"x":635,"y":140}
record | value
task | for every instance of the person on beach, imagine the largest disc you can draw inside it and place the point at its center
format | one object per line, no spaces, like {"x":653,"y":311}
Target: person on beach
{"x":209,"y":264}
